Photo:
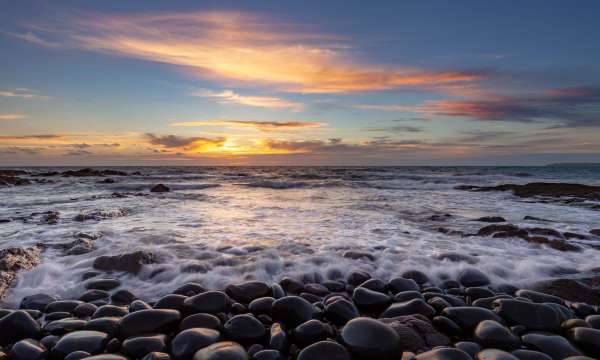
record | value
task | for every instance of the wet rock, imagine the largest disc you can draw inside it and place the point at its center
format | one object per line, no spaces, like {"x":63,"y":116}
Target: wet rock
{"x":278,"y":339}
{"x":132,"y":262}
{"x":411,"y":307}
{"x":370,"y":300}
{"x":138,"y":305}
{"x":291,"y":286}
{"x":245,"y":329}
{"x":78,"y":355}
{"x":316,"y":289}
{"x":469,"y":317}
{"x":457,"y":257}
{"x":491,"y":334}
{"x":367,"y":338}
{"x":339,"y":311}
{"x":92,"y":342}
{"x":110,"y":311}
{"x":522,"y":354}
{"x":582,"y":309}
{"x":51,"y":218}
{"x":593,"y":321}
{"x":545,"y":232}
{"x":570,"y":235}
{"x":7,"y":180}
{"x":357,"y":255}
{"x":587,"y":339}
{"x":89,"y":172}
{"x":292,"y":311}
{"x":122,"y":297}
{"x":155,"y":355}
{"x":171,"y":301}
{"x":407,"y":295}
{"x":494,"y":354}
{"x":62,"y":305}
{"x":556,"y":190}
{"x":268,"y":354}
{"x":190,"y":289}
{"x":103,"y":284}
{"x":28,"y":349}
{"x":418,"y":276}
{"x":538,"y":297}
{"x":472,"y":277}
{"x":149,"y":321}
{"x":15,"y":259}
{"x":491,"y":219}
{"x":207,"y":302}
{"x":225,"y":350}
{"x":85,"y":310}
{"x":357,"y":277}
{"x":444,"y":353}
{"x":111,"y":357}
{"x":309,"y":333}
{"x":261,"y":306}
{"x":595,"y":232}
{"x":63,"y":326}
{"x":98,"y":215}
{"x":248,"y":291}
{"x":401,"y":284}
{"x":469,"y":347}
{"x":36,"y":302}
{"x":557,"y":347}
{"x":108,"y":325}
{"x":488,"y":302}
{"x":139,"y":346}
{"x":93,"y":295}
{"x":416,"y":333}
{"x":569,"y":289}
{"x":18,"y":325}
{"x":324,"y":350}
{"x":160,"y":188}
{"x":533,"y":316}
{"x":188,"y":342}
{"x":57,"y":316}
{"x":533,"y":218}
{"x":207,"y":321}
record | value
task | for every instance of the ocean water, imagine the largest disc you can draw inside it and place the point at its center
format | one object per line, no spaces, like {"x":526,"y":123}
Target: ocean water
{"x":220,"y":225}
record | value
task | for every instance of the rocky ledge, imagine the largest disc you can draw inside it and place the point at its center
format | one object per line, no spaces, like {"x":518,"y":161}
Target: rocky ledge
{"x":560,"y":192}
{"x":13,"y":260}
{"x":359,"y":318}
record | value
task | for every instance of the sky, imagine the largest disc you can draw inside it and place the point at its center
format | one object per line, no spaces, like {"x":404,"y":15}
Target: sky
{"x":118,"y":82}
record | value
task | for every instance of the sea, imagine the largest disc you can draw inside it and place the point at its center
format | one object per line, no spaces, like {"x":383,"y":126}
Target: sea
{"x":222,"y":225}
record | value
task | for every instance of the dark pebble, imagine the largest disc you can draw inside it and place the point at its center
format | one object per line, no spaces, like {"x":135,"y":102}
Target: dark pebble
{"x":309,"y":333}
{"x":110,"y":311}
{"x":245,"y":329}
{"x":122,"y":297}
{"x":208,"y":321}
{"x":225,"y":350}
{"x":292,"y":311}
{"x":62,"y":305}
{"x":370,"y":300}
{"x":84,"y":310}
{"x":107,"y":325}
{"x":418,"y":276}
{"x":103,"y":284}
{"x":261,"y":306}
{"x":248,"y":291}
{"x":94,"y":294}
{"x":411,"y":307}
{"x":58,"y":315}
{"x":593,"y":320}
{"x":190,"y":289}
{"x":340,"y":311}
{"x":357,"y":277}
{"x":447,"y":326}
{"x":28,"y":349}
{"x":444,"y":353}
{"x":401,"y":284}
{"x":469,"y":317}
{"x":268,"y":355}
{"x":538,"y":297}
{"x":49,"y":341}
{"x":36,"y":302}
{"x":472,"y":277}
{"x":138,"y":305}
{"x":324,"y":350}
{"x":523,"y":354}
{"x":533,"y":316}
{"x":156,"y":355}
{"x":171,"y":301}
{"x":587,"y":339}
{"x":149,"y":321}
{"x":469,"y":347}
{"x":557,"y":347}
{"x":208,"y":302}
{"x":139,"y":346}
{"x":187,"y":342}
{"x":494,"y":354}
{"x":92,"y":342}
{"x":491,"y":334}
{"x":368,"y":338}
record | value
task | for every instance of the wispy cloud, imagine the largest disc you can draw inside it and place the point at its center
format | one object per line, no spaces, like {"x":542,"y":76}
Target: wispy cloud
{"x":21,"y":94}
{"x":230,"y":97}
{"x":260,"y":125}
{"x":12,"y":116}
{"x":395,"y":129}
{"x":26,"y":137}
{"x":247,"y":47}
{"x":16,"y":150}
{"x":29,"y":36}
{"x":194,"y":144}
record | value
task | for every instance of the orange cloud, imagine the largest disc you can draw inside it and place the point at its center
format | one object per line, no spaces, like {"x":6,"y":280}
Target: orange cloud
{"x":245,"y":47}
{"x":260,"y":125}
{"x":11,"y":116}
{"x":230,"y":97}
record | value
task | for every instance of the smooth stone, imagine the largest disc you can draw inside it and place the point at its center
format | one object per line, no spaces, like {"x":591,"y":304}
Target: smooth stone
{"x":110,"y":311}
{"x":63,"y":326}
{"x":92,"y":342}
{"x":245,"y":329}
{"x":190,"y":289}
{"x":563,"y":312}
{"x":447,"y":326}
{"x":84,"y":310}
{"x":411,"y":307}
{"x":138,"y":305}
{"x":538,"y":297}
{"x":156,"y":355}
{"x":571,"y":323}
{"x":291,"y":286}
{"x":114,"y":345}
{"x":36,"y":302}
{"x":238,"y":309}
{"x":341,"y":311}
{"x":557,"y":347}
{"x":357,"y":277}
{"x":49,"y":341}
{"x":416,"y":333}
{"x":277,"y":291}
{"x":188,"y":342}
{"x":400,"y":284}
{"x":268,"y":355}
{"x":478,"y":292}
{"x":368,"y":338}
{"x":277,"y":338}
{"x":438,"y":303}
{"x":248,"y":291}
{"x":139,"y":346}
{"x":310,"y":297}
{"x":122,"y":297}
{"x":455,"y":301}
{"x":324,"y":350}
{"x":254,"y":348}
{"x":583,"y":309}
{"x":469,"y":317}
{"x":261,"y":305}
{"x":370,"y":300}
{"x":102,"y":284}
{"x":225,"y":350}
{"x":489,"y":301}
{"x":149,"y":321}
{"x":107,"y":357}
{"x":375,"y":285}
{"x":62,"y":305}
{"x":469,"y":347}
{"x":593,"y":320}
{"x":407,"y":295}
{"x":58,"y":316}
{"x":292,"y":311}
{"x":533,"y":316}
{"x":208,"y":321}
{"x":18,"y":325}
{"x":208,"y":302}
{"x":491,"y":334}
{"x":78,"y":355}
{"x":472,"y":277}
{"x":494,"y":354}
{"x":523,"y":354}
{"x":316,"y":289}
{"x":309,"y":333}
{"x":28,"y":349}
{"x":171,"y":301}
{"x":587,"y":339}
{"x":109,"y":325}
{"x":418,"y":276}
{"x":444,"y":353}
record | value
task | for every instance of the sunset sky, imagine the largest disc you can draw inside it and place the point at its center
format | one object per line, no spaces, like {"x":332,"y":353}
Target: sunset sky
{"x":299,"y":82}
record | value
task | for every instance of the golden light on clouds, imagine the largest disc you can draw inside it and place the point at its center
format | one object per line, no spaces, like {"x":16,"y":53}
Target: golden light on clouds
{"x":248,"y":48}
{"x":230,"y":97}
{"x":259,"y":125}
{"x":11,"y":116}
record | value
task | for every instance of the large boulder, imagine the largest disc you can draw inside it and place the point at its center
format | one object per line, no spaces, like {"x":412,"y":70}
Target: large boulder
{"x":569,"y":289}
{"x":15,"y":259}
{"x":416,"y":332}
{"x":132,"y":262}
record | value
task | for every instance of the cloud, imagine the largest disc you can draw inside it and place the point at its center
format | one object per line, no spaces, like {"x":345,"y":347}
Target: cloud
{"x":566,"y":107}
{"x":16,"y":150}
{"x":260,"y":125}
{"x":242,"y":47}
{"x":26,"y":137}
{"x":34,"y":39}
{"x":12,"y":116}
{"x":22,"y":94}
{"x":186,"y":143}
{"x":395,"y":129}
{"x":78,"y":153}
{"x":230,"y":97}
